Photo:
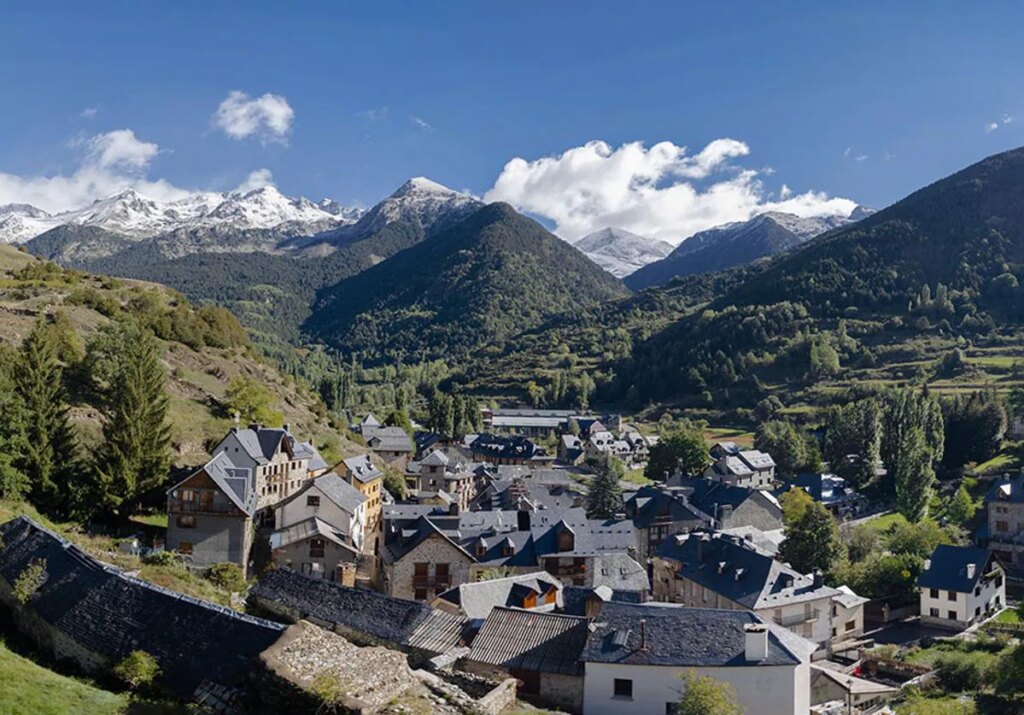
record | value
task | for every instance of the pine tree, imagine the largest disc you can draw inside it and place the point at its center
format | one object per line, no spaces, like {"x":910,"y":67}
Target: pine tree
{"x":134,"y":456}
{"x":604,"y":494}
{"x":913,"y":476}
{"x":50,"y":456}
{"x":14,"y":484}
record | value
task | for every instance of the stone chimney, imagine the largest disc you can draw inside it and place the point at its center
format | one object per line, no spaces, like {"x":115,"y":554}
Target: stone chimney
{"x":819,"y":578}
{"x":755,"y":640}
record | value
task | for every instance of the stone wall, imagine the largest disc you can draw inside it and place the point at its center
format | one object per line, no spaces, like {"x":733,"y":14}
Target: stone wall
{"x":434,"y":550}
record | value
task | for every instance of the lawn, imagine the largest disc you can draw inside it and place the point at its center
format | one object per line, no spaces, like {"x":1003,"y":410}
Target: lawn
{"x":30,"y":689}
{"x":1009,"y":615}
{"x":636,"y":476}
{"x":883,"y":523}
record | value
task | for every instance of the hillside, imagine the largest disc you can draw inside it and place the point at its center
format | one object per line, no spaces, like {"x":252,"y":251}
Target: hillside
{"x":470,"y":287}
{"x":204,"y":349}
{"x":878,"y":302}
{"x":736,"y":244}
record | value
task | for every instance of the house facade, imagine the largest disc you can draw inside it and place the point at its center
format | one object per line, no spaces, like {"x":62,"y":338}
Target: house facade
{"x":635,"y":655}
{"x":362,"y":475}
{"x":1004,"y":522}
{"x":660,"y":513}
{"x":960,"y":586}
{"x":731,"y":506}
{"x":210,"y":514}
{"x":315,"y":548}
{"x":742,"y":468}
{"x":332,"y":500}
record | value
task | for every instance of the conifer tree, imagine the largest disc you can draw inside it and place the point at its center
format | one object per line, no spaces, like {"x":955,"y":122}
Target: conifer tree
{"x":14,"y":483}
{"x":604,"y":494}
{"x":49,"y":459}
{"x":134,"y":454}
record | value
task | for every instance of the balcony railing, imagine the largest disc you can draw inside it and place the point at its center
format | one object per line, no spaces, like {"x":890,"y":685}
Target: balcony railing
{"x":795,"y":619}
{"x":179,"y":506}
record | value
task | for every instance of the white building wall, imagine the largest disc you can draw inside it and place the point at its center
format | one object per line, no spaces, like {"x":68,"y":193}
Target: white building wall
{"x":966,"y":606}
{"x":760,"y":690}
{"x":296,"y":510}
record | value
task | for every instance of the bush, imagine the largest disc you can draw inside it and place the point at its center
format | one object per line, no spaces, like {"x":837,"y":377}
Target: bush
{"x":227,"y":576}
{"x":959,"y":674}
{"x":137,"y":669}
{"x":30,"y":580}
{"x":161,"y":558}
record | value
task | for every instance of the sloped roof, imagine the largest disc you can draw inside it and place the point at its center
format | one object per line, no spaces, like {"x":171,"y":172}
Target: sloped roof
{"x":667,"y":634}
{"x":260,"y":443}
{"x":404,"y":623}
{"x":1007,"y":489}
{"x":339,"y":491}
{"x":956,"y":568}
{"x":527,"y":640}
{"x":390,"y":439}
{"x":306,"y":450}
{"x":313,"y":526}
{"x":236,"y":482}
{"x":111,"y":614}
{"x":651,"y":503}
{"x":620,"y":572}
{"x":361,"y":467}
{"x":477,"y":598}
{"x":708,"y":495}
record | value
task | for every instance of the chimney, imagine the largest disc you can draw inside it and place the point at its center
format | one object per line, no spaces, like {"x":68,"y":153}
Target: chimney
{"x":592,"y":604}
{"x":254,"y":426}
{"x":453,"y":509}
{"x":523,"y":520}
{"x":971,"y":570}
{"x":927,"y":565}
{"x":643,"y":634}
{"x":819,"y":578}
{"x":755,"y":639}
{"x":285,"y":427}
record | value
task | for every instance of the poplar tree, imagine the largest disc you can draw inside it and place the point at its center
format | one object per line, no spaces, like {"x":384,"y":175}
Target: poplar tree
{"x":134,"y":455}
{"x":913,"y":475}
{"x":49,"y":458}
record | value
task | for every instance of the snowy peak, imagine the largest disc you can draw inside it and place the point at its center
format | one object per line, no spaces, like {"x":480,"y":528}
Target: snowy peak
{"x":421,"y":185}
{"x":621,"y":252}
{"x":418,"y":201}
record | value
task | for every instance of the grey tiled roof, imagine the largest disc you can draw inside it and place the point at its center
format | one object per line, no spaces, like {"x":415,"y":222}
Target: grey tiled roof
{"x":235,"y":482}
{"x":527,"y":640}
{"x":339,"y":491}
{"x":956,"y":568}
{"x":361,"y":467}
{"x":390,"y":439}
{"x":650,"y":504}
{"x":477,"y":598}
{"x":620,"y":572}
{"x":709,"y":495}
{"x":667,"y":634}
{"x":111,"y":614}
{"x":313,"y":526}
{"x":403,"y":623}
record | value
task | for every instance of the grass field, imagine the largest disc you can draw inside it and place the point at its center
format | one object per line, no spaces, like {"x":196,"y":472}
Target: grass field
{"x":30,"y":689}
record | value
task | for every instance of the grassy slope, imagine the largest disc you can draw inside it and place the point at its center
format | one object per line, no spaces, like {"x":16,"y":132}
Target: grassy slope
{"x":30,"y":689}
{"x":198,"y":379}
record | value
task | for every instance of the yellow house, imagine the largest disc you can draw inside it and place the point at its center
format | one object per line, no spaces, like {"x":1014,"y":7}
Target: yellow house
{"x":368,"y":480}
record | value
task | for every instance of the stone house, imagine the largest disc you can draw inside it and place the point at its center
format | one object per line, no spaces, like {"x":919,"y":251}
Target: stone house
{"x":714,"y":570}
{"x":331,"y":499}
{"x":960,"y":586}
{"x":440,"y":472}
{"x":391,"y":444}
{"x":1003,"y":531}
{"x":210,"y":514}
{"x":847,"y":615}
{"x":280,"y":464}
{"x":660,"y":513}
{"x":830,"y":491}
{"x":317,"y":549}
{"x":635,"y":655}
{"x":541,"y":650}
{"x":731,"y":506}
{"x":426,"y":564}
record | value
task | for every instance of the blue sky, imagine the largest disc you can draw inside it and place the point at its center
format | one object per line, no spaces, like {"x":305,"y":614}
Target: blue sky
{"x":867,"y":101}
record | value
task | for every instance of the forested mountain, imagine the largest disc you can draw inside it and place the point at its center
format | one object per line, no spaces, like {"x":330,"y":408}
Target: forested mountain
{"x":737,"y":243}
{"x":467,"y":289}
{"x":944,"y":264}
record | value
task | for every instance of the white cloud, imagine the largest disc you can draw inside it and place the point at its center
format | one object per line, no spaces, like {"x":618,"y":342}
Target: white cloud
{"x":256,"y":180}
{"x":991,"y":127}
{"x":661,"y":191}
{"x":421,"y":123}
{"x":268,"y":117}
{"x":860,"y":157}
{"x":89,"y":112}
{"x":110,"y":163}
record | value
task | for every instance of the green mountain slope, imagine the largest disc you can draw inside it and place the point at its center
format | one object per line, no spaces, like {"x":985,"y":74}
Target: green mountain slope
{"x":473,"y":286}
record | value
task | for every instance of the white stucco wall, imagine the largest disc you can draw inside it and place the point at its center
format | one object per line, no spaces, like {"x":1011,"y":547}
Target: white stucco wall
{"x":760,"y":690}
{"x":966,"y":605}
{"x":296,"y":510}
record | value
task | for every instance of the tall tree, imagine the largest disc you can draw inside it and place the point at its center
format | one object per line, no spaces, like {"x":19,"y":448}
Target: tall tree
{"x":134,"y":455}
{"x":812,"y":540}
{"x":852,"y":441}
{"x":683,"y":451}
{"x":904,"y":410}
{"x":913,"y":475}
{"x":50,"y":456}
{"x":251,"y":401}
{"x":975,"y":426}
{"x":783,"y":441}
{"x":14,"y":483}
{"x":604,"y":494}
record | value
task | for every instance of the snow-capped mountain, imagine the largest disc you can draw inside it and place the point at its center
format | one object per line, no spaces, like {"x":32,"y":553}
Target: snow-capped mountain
{"x":620,"y":252}
{"x":734,"y":244}
{"x":419,"y":201}
{"x":132,"y":215}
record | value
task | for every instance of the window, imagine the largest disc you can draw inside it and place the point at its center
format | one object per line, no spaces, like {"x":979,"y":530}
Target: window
{"x":1002,"y":526}
{"x":952,"y":615}
{"x":933,"y":612}
{"x":850,"y":625}
{"x":313,"y":501}
{"x":934,"y":593}
{"x":316,"y":548}
{"x":441,"y":573}
{"x":977,"y":590}
{"x":420,"y":594}
{"x":186,"y":521}
{"x":951,"y":596}
{"x":185,"y":547}
{"x":420,"y":569}
{"x":624,"y":688}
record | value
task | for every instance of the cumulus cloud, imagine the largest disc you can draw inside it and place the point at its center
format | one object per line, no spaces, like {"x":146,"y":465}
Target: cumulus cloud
{"x":256,"y":180}
{"x":660,"y":191}
{"x":109,"y":163}
{"x":992,"y":126}
{"x":269,"y":118}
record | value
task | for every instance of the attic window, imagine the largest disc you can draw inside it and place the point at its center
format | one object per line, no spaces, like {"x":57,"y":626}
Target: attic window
{"x":312,"y":501}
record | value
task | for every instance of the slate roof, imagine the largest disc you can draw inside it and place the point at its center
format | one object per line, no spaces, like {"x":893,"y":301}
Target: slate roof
{"x":574,"y":598}
{"x":394,"y":620}
{"x":261,"y":443}
{"x":506,"y":447}
{"x":1007,"y":489}
{"x":527,"y":640}
{"x":956,"y":568}
{"x":735,"y":569}
{"x":709,"y":495}
{"x":235,"y":482}
{"x":306,"y":450}
{"x":111,"y":614}
{"x":362,"y":469}
{"x":620,"y":572}
{"x":302,"y":530}
{"x":650,"y":504}
{"x":676,"y":636}
{"x":476,"y":599}
{"x":767,"y":541}
{"x":824,"y":488}
{"x":388,"y":439}
{"x":339,"y":491}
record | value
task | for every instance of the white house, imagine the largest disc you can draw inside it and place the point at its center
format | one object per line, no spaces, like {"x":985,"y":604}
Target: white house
{"x":332,"y":500}
{"x":636,"y":653}
{"x":847,"y":615}
{"x":960,"y":586}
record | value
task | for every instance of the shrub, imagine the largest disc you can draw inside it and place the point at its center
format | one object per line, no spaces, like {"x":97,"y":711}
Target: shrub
{"x":161,"y":558}
{"x":959,"y":674}
{"x":227,"y":576}
{"x":30,"y":580}
{"x":137,"y":669}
